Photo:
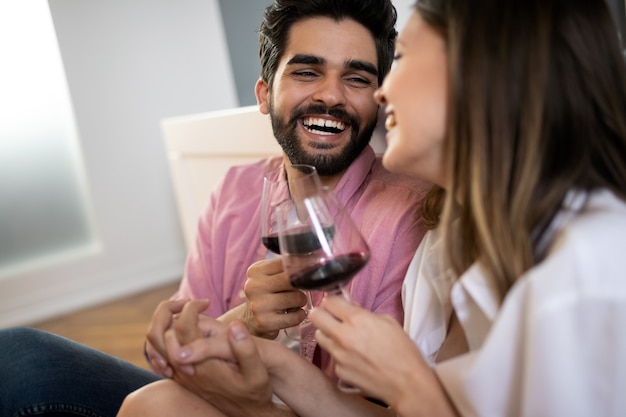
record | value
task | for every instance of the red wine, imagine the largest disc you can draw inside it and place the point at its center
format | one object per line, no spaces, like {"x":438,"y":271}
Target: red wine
{"x":329,"y":273}
{"x":299,"y":243}
{"x":271,"y":243}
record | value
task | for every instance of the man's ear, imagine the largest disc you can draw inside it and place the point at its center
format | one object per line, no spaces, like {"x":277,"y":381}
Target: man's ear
{"x":262,"y":92}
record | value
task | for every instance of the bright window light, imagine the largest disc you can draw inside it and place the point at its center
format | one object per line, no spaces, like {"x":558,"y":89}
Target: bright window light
{"x":44,"y":211}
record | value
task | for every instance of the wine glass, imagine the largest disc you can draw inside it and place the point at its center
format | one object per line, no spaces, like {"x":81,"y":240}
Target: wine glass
{"x":321,"y":247}
{"x":295,"y":182}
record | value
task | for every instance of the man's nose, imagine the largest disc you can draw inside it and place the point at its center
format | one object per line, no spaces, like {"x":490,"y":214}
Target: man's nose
{"x":331,"y":92}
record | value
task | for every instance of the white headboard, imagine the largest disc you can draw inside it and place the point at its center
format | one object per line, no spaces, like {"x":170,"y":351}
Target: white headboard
{"x":201,"y":147}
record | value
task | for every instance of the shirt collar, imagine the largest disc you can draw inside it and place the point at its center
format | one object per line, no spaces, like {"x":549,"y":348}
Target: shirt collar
{"x":355,"y":175}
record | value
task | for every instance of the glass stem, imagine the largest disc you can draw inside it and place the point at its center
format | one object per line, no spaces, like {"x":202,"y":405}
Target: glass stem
{"x":309,"y":302}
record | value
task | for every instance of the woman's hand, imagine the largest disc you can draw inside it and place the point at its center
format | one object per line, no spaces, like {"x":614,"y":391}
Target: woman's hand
{"x":371,"y":351}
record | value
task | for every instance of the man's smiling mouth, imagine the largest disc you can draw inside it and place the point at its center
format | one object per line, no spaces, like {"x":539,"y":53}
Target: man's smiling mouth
{"x":321,"y":126}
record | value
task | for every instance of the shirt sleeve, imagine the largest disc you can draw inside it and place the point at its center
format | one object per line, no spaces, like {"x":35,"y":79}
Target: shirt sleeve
{"x":198,"y":281}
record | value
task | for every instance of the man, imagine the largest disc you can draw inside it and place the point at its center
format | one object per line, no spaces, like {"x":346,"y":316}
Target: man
{"x":317,"y":84}
{"x":316,"y":67}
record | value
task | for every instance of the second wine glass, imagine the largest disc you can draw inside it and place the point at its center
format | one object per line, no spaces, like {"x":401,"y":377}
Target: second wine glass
{"x":321,"y":247}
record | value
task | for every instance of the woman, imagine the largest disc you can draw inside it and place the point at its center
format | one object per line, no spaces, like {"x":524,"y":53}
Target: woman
{"x":515,"y":303}
{"x":517,"y":299}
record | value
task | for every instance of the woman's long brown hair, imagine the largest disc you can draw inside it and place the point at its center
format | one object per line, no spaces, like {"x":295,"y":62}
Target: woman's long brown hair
{"x":536,"y":108}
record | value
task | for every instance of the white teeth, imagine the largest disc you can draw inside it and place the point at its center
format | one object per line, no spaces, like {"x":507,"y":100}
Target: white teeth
{"x":312,"y":122}
{"x":390,"y":122}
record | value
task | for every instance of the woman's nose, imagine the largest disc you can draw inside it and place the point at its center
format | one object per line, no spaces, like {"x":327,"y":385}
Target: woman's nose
{"x":379,"y":96}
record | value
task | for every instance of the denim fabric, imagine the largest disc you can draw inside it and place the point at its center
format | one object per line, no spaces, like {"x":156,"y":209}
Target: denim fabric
{"x":42,"y":374}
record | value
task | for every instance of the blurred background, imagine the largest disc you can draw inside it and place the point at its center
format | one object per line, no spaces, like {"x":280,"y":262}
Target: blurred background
{"x":87,"y":211}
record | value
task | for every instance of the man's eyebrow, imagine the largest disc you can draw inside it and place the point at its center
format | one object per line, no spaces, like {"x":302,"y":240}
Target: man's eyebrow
{"x":363,"y":66}
{"x":306,"y":59}
{"x":317,"y":60}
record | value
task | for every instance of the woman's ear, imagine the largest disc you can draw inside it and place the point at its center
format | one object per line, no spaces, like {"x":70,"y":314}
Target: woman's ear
{"x":262,"y":91}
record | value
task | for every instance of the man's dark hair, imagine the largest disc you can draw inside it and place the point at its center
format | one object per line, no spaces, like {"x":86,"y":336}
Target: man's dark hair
{"x":378,"y":16}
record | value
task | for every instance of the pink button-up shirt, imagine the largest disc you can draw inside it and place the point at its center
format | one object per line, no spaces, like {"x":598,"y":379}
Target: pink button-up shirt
{"x":384,"y":206}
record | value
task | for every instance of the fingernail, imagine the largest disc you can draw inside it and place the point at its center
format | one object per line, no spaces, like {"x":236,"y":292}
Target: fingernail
{"x":238,"y":332}
{"x":184,"y":353}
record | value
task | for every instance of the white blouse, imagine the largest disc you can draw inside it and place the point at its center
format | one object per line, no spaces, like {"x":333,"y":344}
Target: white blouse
{"x":556,"y":345}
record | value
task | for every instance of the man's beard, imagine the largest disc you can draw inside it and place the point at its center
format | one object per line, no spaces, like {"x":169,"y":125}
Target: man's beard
{"x":287,"y":136}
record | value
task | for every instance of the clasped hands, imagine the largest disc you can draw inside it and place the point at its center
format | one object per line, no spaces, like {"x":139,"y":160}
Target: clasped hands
{"x":218,"y":362}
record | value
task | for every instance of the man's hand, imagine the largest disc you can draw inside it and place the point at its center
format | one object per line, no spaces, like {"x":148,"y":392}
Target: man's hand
{"x":271,"y":302}
{"x":165,"y":316}
{"x":227,"y":370}
{"x":162,"y":319}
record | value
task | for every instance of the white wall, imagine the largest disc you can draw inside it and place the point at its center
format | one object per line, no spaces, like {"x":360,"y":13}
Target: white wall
{"x":129,"y":63}
{"x":404,"y":9}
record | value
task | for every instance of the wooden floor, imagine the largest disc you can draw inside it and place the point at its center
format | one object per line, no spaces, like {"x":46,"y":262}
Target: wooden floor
{"x":117,"y":328}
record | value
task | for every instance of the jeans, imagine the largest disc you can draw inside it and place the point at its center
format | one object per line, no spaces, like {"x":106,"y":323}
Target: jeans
{"x":42,"y":374}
